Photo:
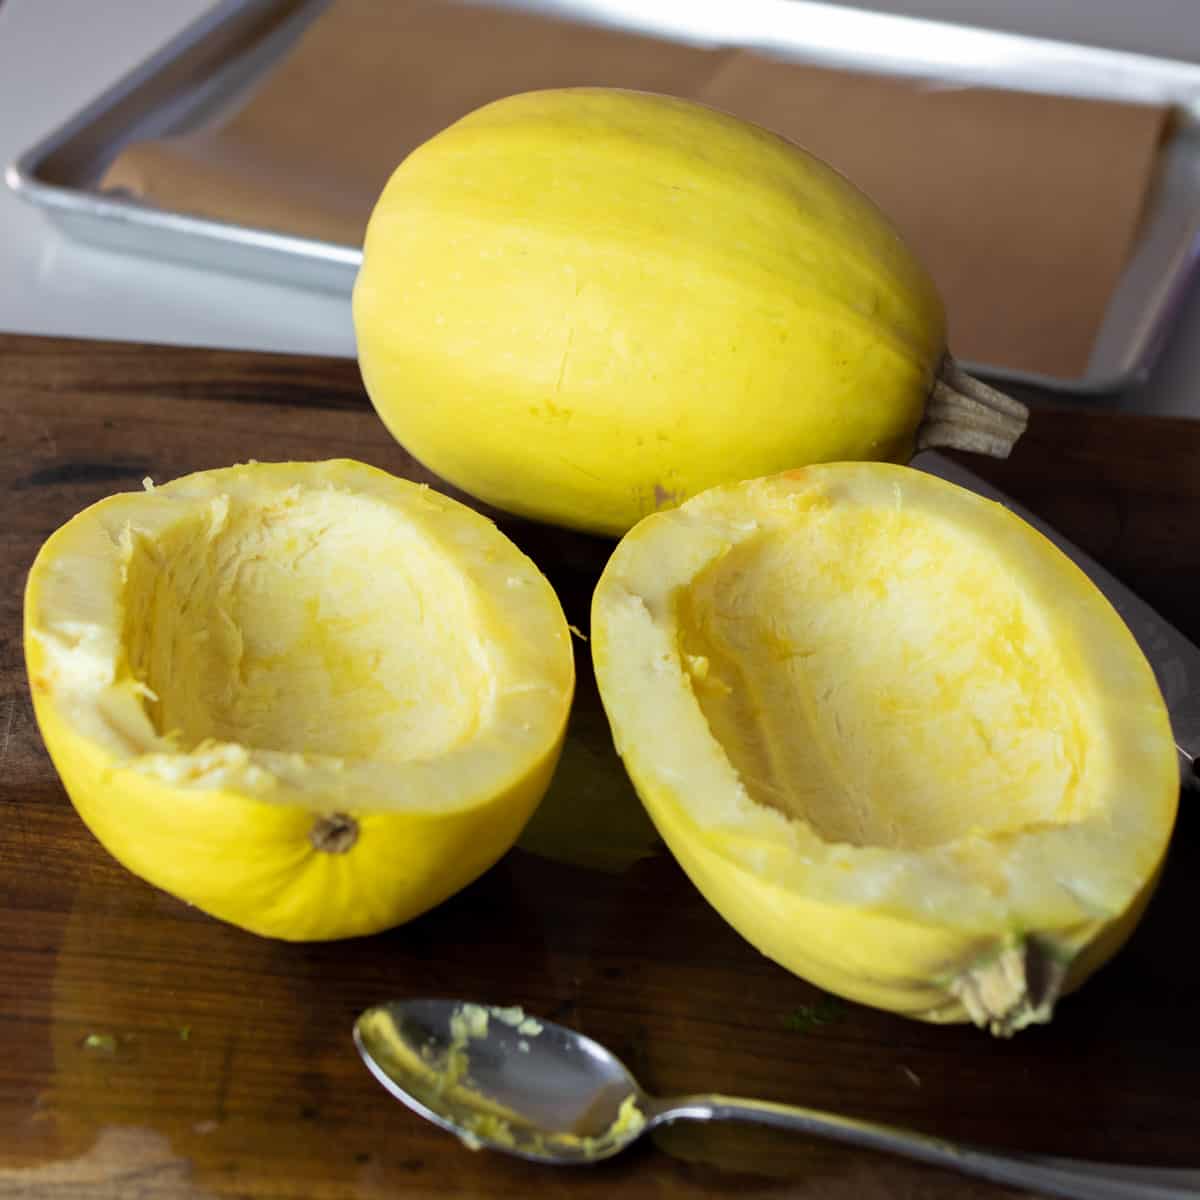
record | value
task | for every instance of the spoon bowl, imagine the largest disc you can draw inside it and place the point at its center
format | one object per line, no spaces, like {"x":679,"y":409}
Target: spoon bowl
{"x":500,"y":1079}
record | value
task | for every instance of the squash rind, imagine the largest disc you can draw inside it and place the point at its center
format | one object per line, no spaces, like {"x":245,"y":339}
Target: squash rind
{"x":655,"y":295}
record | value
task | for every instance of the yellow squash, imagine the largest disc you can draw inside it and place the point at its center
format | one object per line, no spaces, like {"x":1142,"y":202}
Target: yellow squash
{"x":892,"y":733}
{"x":310,"y":698}
{"x":584,"y":305}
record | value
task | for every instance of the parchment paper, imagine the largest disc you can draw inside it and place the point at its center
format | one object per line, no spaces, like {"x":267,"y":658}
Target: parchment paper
{"x":1024,"y":207}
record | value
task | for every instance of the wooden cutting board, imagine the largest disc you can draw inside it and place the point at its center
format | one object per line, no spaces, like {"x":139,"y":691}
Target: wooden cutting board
{"x":147,"y":1051}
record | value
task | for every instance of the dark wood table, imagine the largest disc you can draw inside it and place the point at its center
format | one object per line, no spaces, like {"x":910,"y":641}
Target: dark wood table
{"x":147,"y":1051}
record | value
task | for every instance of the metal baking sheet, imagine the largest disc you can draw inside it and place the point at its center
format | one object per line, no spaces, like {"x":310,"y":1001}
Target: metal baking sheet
{"x":211,"y":64}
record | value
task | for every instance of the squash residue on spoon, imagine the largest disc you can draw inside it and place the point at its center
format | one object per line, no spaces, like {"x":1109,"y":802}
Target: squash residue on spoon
{"x":443,"y":1082}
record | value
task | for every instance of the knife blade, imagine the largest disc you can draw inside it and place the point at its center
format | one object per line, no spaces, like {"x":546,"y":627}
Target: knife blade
{"x":1175,"y":660}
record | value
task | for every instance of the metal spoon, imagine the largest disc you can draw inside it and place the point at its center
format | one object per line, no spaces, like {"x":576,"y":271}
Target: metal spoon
{"x":499,"y":1079}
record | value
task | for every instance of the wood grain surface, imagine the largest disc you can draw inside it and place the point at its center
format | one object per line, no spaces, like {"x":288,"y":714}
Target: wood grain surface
{"x":148,"y":1052}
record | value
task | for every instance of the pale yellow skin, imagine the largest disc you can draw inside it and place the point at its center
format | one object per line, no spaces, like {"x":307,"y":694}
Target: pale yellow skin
{"x":585,"y":305}
{"x":887,"y":728}
{"x":288,"y":680}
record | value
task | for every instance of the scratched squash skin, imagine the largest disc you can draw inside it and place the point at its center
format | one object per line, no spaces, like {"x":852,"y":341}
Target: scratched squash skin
{"x":584,"y":305}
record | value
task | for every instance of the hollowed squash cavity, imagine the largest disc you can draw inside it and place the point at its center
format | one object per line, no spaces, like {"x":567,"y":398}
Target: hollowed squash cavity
{"x":882,"y":678}
{"x":315,"y":624}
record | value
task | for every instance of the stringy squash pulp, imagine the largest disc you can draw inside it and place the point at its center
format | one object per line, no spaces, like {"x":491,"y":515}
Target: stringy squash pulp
{"x":310,"y":698}
{"x":893,"y":734}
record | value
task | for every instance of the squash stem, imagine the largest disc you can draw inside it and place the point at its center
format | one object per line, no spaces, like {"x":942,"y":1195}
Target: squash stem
{"x":963,"y":413}
{"x":334,"y":833}
{"x":1017,"y":986}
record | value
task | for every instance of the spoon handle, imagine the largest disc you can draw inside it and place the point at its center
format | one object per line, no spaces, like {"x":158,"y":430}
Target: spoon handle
{"x":1067,"y":1177}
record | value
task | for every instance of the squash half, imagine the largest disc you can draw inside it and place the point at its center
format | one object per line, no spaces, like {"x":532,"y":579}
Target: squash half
{"x":312,"y":699}
{"x":895,"y":736}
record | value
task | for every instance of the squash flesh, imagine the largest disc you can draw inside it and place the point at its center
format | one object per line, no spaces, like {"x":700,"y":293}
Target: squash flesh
{"x":910,"y":897}
{"x":897,"y":691}
{"x":314,"y":624}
